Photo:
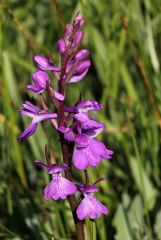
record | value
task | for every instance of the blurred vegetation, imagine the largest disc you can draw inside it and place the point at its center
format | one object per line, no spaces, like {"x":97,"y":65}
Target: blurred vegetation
{"x":124,"y":38}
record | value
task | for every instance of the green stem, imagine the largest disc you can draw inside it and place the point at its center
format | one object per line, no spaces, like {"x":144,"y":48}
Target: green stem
{"x":93,"y":231}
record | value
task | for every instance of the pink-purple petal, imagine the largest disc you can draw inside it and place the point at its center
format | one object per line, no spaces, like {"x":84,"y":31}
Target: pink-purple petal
{"x":83,"y":53}
{"x":43,"y":63}
{"x":82,"y":140}
{"x":61,"y":46}
{"x":68,"y":133}
{"x":78,"y":38}
{"x":59,"y":188}
{"x":91,"y":207}
{"x":44,"y":116}
{"x":28,"y":131}
{"x":81,"y":117}
{"x":91,"y":124}
{"x":35,"y":89}
{"x":93,"y":132}
{"x":31,"y":107}
{"x":26,"y":112}
{"x":59,"y":96}
{"x":80,"y":159}
{"x":78,"y":77}
{"x":83,"y":66}
{"x":40,"y":78}
{"x":100,"y":149}
{"x":41,"y":164}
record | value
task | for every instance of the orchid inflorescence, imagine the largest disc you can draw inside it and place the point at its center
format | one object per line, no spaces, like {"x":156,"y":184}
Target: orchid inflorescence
{"x":76,"y":128}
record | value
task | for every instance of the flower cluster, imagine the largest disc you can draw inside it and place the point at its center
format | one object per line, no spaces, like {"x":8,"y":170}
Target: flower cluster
{"x":80,"y":133}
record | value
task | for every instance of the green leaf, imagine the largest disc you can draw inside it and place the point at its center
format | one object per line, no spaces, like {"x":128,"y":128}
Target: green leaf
{"x":121,"y":224}
{"x":145,"y":186}
{"x":157,"y":225}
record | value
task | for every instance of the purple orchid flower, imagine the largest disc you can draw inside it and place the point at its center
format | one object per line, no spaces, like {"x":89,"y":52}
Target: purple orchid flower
{"x":41,"y":81}
{"x":89,"y":152}
{"x":59,"y":187}
{"x":90,"y":206}
{"x":37,"y":115}
{"x":81,"y":114}
{"x":44,"y":64}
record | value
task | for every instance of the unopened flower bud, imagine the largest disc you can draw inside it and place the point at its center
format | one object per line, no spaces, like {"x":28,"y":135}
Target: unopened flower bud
{"x":68,"y":32}
{"x":82,"y":54}
{"x":44,"y":64}
{"x":83,"y":66}
{"x":79,"y":20}
{"x":61,"y":46}
{"x":78,"y":37}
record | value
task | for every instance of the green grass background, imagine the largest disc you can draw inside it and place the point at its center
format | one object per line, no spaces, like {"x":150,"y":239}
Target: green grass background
{"x":124,"y":39}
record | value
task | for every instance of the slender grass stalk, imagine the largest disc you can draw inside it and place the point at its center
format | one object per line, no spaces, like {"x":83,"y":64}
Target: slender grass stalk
{"x":93,"y":230}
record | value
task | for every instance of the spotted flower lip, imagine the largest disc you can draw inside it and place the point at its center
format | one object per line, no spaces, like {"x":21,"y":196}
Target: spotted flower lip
{"x":44,"y":64}
{"x":59,"y":187}
{"x":89,"y":152}
{"x":91,"y":207}
{"x":41,"y":81}
{"x":37,"y":116}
